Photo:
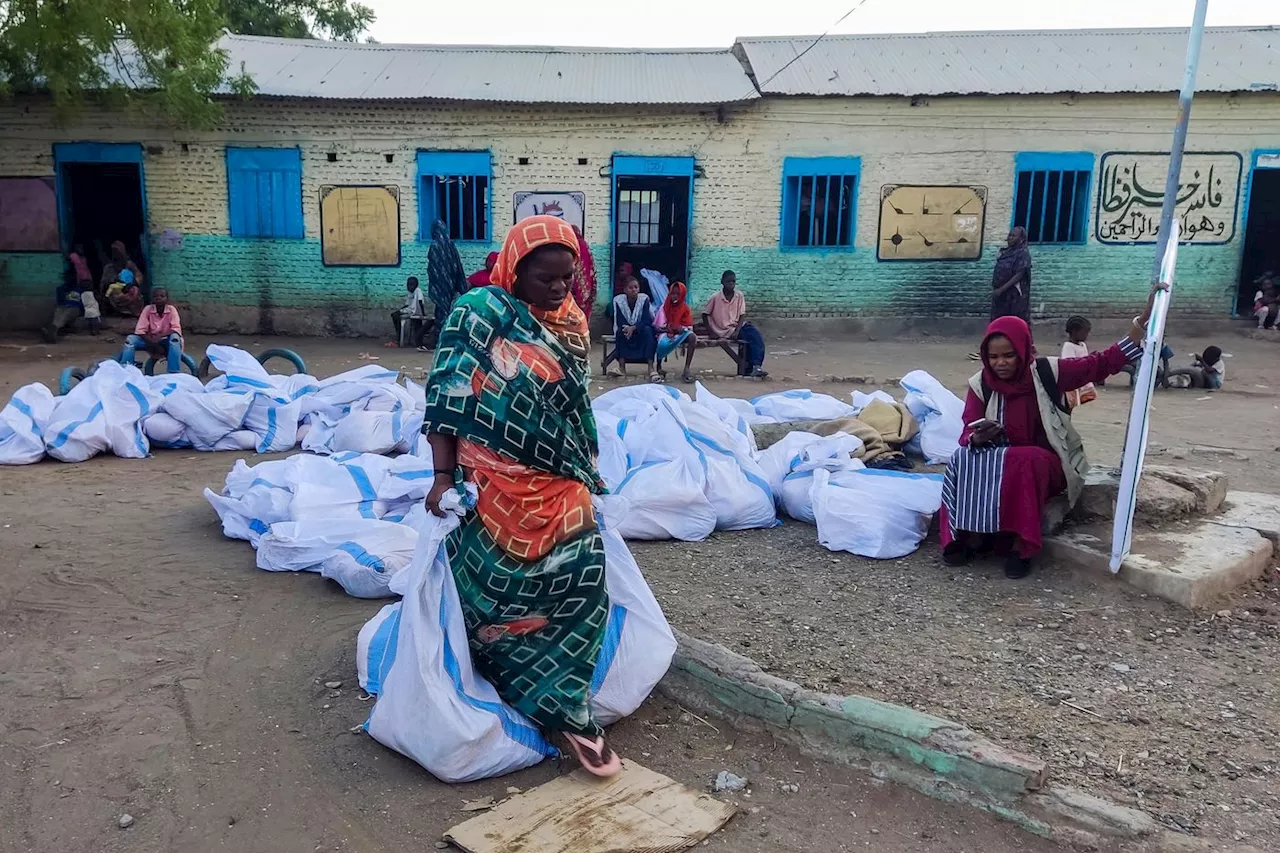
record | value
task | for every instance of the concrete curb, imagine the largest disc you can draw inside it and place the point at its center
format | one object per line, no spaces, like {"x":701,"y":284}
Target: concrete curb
{"x":936,"y":757}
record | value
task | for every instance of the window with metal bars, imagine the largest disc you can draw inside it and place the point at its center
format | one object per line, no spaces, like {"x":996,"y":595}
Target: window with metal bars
{"x":639,"y":217}
{"x":454,"y":187}
{"x":819,"y":201}
{"x":1051,"y":196}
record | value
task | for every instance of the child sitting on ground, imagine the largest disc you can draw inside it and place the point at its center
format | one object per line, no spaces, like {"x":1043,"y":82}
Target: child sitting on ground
{"x":1207,"y":371}
{"x":1078,"y":329}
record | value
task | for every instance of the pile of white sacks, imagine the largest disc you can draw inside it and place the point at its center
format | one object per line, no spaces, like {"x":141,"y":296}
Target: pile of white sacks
{"x":686,"y":467}
{"x":119,"y":410}
{"x":676,"y":468}
{"x":359,"y":520}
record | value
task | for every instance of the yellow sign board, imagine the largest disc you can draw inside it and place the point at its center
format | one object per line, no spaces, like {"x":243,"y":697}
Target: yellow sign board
{"x":931,"y":223}
{"x":360,"y":226}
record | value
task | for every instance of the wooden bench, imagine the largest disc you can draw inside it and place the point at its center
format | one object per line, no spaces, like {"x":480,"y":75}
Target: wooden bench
{"x":699,"y":342}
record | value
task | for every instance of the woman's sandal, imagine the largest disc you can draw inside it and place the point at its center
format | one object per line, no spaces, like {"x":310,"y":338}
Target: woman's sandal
{"x":594,"y":755}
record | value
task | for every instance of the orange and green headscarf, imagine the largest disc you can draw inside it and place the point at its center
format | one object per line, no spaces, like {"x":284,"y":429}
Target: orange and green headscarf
{"x":567,"y":322}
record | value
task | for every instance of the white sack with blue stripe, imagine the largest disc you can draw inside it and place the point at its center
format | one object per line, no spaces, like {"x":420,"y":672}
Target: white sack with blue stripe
{"x":736,"y":485}
{"x":360,"y":555}
{"x":432,"y":706}
{"x":940,"y":413}
{"x":683,"y":469}
{"x":801,"y":404}
{"x":833,"y":454}
{"x":874,"y":513}
{"x":22,"y":425}
{"x":638,"y":643}
{"x":102,"y":413}
{"x":254,"y":498}
{"x":208,"y":417}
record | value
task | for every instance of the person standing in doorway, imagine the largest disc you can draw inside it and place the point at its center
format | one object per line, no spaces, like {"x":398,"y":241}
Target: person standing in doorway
{"x":1011,"y":280}
{"x":725,"y":317}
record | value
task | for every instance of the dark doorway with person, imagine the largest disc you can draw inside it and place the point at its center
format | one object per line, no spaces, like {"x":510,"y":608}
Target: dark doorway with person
{"x":652,"y":225}
{"x":102,"y":204}
{"x":1261,"y":236}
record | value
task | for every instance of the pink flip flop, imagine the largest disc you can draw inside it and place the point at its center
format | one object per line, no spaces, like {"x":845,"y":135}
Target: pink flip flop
{"x":594,"y":755}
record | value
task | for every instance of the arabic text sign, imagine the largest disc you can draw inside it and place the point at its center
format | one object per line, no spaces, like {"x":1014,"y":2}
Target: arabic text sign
{"x":1131,"y":193}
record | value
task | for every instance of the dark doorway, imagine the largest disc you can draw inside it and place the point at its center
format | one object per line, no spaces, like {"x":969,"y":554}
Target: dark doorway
{"x":651,"y":228}
{"x":1261,"y":236}
{"x":102,"y":204}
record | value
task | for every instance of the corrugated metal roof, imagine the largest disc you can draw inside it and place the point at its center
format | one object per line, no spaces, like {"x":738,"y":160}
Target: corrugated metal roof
{"x":1233,"y":59}
{"x":298,"y":68}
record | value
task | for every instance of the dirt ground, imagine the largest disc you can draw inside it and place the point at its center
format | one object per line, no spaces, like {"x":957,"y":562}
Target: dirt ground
{"x":148,"y":668}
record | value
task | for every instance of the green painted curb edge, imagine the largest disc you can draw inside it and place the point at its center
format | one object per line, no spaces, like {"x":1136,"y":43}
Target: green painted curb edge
{"x":936,"y":757}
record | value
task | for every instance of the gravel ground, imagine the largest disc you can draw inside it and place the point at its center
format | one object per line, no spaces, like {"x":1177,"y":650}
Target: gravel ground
{"x":1174,"y":712}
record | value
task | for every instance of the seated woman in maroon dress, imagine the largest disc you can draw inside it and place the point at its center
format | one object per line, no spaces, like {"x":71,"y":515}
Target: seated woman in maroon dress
{"x":1018,"y":447}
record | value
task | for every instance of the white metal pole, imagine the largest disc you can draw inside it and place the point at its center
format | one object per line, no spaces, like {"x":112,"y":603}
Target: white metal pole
{"x":1135,"y":442}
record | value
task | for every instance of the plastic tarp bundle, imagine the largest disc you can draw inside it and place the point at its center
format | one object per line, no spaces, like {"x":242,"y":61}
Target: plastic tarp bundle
{"x":684,"y":468}
{"x":801,"y":405}
{"x":433,"y":706}
{"x":833,"y":454}
{"x":102,"y":413}
{"x":940,"y":413}
{"x":362,"y":556}
{"x":22,"y":425}
{"x":361,"y":411}
{"x":117,"y":409}
{"x":873,"y":513}
{"x":318,"y":490}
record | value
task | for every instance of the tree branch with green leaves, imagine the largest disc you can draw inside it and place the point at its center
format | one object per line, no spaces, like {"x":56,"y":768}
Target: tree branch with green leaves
{"x":160,"y":56}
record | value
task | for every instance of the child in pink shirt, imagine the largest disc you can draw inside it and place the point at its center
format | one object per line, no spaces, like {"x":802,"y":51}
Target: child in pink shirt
{"x":159,"y":330}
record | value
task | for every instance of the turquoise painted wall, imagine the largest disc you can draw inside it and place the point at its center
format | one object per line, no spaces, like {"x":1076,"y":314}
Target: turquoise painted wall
{"x":27,"y":275}
{"x":1093,"y":280}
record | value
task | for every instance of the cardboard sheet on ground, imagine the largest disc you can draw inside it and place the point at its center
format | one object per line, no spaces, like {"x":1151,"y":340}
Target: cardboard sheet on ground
{"x":637,"y":811}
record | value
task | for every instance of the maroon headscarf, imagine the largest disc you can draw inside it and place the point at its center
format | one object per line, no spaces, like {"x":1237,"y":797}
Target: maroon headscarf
{"x":1021,"y":414}
{"x":480,"y":278}
{"x":584,"y":277}
{"x":1019,"y":335}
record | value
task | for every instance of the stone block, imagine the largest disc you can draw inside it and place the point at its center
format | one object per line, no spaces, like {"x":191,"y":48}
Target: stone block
{"x":1191,"y":567}
{"x":1255,"y":511}
{"x":1163,"y":493}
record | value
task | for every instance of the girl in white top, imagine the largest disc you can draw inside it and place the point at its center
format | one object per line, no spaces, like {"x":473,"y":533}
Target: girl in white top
{"x":1078,"y":329}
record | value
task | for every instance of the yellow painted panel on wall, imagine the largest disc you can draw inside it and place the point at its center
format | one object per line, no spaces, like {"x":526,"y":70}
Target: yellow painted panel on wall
{"x":931,"y":223}
{"x":360,"y":226}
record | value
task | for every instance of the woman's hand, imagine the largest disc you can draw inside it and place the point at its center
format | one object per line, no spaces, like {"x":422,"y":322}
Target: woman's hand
{"x":443,"y":483}
{"x":1138,"y":331}
{"x":628,"y":331}
{"x":984,"y":432}
{"x":1151,"y":301}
